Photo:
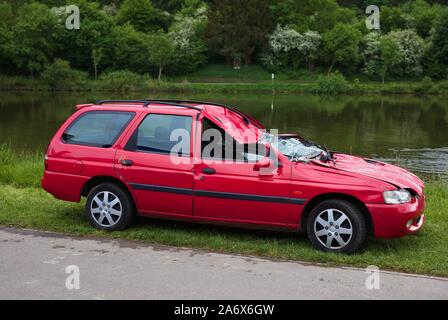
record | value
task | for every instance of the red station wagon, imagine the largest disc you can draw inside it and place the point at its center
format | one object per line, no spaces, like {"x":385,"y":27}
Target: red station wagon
{"x":205,"y":162}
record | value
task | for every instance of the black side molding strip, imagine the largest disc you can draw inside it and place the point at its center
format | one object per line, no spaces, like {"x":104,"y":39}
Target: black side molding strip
{"x":148,"y":187}
{"x":214,"y":194}
{"x":250,"y":197}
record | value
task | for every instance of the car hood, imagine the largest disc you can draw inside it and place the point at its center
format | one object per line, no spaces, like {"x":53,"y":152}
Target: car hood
{"x":391,"y":174}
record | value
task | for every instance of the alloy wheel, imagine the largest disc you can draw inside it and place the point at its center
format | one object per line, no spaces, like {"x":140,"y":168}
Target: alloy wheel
{"x":333,"y":229}
{"x":106,"y":208}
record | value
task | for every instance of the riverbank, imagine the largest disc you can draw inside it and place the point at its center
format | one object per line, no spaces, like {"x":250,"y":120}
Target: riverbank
{"x":321,"y":85}
{"x":25,"y":205}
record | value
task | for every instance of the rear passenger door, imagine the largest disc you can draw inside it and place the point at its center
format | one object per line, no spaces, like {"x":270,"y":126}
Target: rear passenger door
{"x":156,"y":164}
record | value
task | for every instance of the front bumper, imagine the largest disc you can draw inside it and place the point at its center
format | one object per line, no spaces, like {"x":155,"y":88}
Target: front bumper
{"x":393,"y":221}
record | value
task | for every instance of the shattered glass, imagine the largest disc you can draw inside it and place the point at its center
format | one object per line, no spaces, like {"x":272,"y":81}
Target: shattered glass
{"x":294,"y":148}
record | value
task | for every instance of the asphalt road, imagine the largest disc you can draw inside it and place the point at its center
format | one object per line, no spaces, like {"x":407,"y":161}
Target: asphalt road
{"x":33,"y":265}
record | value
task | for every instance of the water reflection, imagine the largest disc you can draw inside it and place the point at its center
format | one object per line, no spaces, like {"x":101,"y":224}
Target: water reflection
{"x":409,"y":130}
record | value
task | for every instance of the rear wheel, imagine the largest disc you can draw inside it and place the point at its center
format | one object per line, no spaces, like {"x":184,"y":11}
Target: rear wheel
{"x":109,"y":208}
{"x":336,"y":226}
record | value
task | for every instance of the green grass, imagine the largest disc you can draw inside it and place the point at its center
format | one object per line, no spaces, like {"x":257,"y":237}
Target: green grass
{"x":223,"y":73}
{"x":220,"y":78}
{"x":20,"y":169}
{"x":220,"y":72}
{"x":23,"y":204}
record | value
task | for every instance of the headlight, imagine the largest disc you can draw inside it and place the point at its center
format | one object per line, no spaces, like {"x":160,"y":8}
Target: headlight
{"x":397,"y":196}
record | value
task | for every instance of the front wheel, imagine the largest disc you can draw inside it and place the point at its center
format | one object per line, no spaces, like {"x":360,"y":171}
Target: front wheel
{"x":336,"y":226}
{"x":109,"y":208}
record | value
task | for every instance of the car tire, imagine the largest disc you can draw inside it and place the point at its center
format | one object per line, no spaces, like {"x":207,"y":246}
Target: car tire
{"x":109,"y":207}
{"x":336,"y":226}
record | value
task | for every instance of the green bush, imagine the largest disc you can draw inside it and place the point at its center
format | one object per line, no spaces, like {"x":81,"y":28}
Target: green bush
{"x":122,"y":81}
{"x":334,"y":83}
{"x":442,"y":86}
{"x":425,"y":86}
{"x":60,"y":76}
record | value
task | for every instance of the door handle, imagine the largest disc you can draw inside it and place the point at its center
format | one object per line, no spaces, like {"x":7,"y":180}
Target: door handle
{"x":208,"y":171}
{"x":126,"y":162}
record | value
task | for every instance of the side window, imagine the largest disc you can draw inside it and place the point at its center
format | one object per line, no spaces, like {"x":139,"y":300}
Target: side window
{"x":97,"y":128}
{"x":162,"y":133}
{"x":218,"y":145}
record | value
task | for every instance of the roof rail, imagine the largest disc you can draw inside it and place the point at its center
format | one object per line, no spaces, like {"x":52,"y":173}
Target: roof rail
{"x":147,"y":103}
{"x":144,"y":102}
{"x":245,"y":118}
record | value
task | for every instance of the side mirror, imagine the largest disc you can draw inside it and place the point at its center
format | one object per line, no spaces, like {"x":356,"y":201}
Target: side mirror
{"x":263,"y":163}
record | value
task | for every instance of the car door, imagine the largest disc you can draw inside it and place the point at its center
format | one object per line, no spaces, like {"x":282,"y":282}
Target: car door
{"x":234,"y":191}
{"x":161,"y":179}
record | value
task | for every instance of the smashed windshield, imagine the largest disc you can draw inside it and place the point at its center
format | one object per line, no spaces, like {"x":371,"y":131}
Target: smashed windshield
{"x":294,"y":148}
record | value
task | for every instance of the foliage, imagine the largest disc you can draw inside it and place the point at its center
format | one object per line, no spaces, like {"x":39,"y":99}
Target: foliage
{"x":410,"y":50}
{"x":161,"y":51}
{"x":139,"y":13}
{"x":391,"y":19}
{"x":389,"y":56}
{"x":35,"y":36}
{"x":189,"y":46}
{"x":116,"y":34}
{"x":380,"y":54}
{"x":318,"y":15}
{"x":439,"y":44}
{"x":341,"y":46}
{"x":419,"y":15}
{"x":128,"y":49}
{"x":287,"y":48}
{"x":371,"y":54}
{"x":121,"y":81}
{"x":334,"y":83}
{"x":6,"y":35}
{"x":238,"y":28}
{"x":95,"y":30}
{"x":60,"y":76}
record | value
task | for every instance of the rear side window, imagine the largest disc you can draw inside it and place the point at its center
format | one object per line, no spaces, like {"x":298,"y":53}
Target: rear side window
{"x":162,"y":133}
{"x":97,"y":128}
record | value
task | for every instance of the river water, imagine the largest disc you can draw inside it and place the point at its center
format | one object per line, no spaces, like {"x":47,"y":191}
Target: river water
{"x":407,"y":130}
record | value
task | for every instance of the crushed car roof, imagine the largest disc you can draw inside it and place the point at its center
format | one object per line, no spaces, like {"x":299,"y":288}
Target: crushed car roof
{"x":236,"y":123}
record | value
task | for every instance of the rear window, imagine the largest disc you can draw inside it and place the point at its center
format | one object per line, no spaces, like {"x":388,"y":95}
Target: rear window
{"x":97,"y":128}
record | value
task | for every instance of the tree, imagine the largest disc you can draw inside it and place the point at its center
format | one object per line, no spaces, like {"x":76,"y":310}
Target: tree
{"x":389,"y":52}
{"x":410,"y":50}
{"x":169,"y":5}
{"x":310,"y":47}
{"x":238,"y":28}
{"x":318,"y":15}
{"x":77,"y":45}
{"x":6,"y":22}
{"x":127,"y":49}
{"x":189,"y":46}
{"x":439,"y":41}
{"x":391,"y":19}
{"x":341,"y":45}
{"x":290,"y":48}
{"x":97,"y":56}
{"x":35,"y":37}
{"x":420,"y":15}
{"x":285,"y":44}
{"x":138,"y":13}
{"x":371,"y":54}
{"x":161,"y":51}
